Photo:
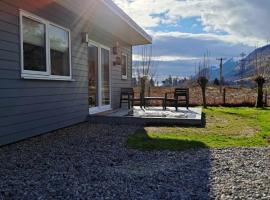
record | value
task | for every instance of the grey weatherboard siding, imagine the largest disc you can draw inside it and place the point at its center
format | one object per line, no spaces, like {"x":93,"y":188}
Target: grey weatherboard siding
{"x":33,"y":107}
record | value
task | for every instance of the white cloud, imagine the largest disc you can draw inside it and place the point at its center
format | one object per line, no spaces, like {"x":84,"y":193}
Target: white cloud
{"x":178,"y":53}
{"x":138,"y":57}
{"x":142,"y":11}
{"x":231,"y":39}
{"x":244,"y":20}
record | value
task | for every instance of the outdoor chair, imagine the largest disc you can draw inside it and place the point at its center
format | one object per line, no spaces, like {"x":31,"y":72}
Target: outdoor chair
{"x":179,"y":95}
{"x":127,"y":96}
{"x":90,"y":100}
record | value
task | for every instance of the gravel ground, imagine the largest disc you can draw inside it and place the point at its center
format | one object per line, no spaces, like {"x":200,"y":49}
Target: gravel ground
{"x":92,"y":162}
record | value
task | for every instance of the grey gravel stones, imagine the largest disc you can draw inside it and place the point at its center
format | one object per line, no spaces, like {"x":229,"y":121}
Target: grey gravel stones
{"x":92,"y":162}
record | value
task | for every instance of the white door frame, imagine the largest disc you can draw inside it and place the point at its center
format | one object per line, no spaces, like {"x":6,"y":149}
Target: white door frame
{"x":101,"y":108}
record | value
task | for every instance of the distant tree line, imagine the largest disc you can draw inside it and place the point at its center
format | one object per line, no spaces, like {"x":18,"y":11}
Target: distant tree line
{"x":174,"y":81}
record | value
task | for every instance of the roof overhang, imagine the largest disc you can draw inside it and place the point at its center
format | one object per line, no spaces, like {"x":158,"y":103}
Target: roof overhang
{"x":140,"y":36}
{"x":107,"y":16}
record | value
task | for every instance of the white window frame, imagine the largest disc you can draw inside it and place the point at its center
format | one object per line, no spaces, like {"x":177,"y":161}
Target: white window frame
{"x":100,"y":107}
{"x":124,"y":77}
{"x":29,"y":74}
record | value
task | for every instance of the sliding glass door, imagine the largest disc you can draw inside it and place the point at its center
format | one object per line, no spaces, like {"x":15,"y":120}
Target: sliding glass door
{"x":99,"y":78}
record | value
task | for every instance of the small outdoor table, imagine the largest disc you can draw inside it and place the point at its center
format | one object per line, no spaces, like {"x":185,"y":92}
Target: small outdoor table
{"x":146,"y":101}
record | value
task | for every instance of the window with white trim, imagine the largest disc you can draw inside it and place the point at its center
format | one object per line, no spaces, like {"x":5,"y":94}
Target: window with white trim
{"x":124,"y":66}
{"x":45,"y":49}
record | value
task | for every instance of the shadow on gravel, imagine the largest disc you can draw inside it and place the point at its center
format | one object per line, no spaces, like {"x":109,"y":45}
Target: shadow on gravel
{"x":191,"y":169}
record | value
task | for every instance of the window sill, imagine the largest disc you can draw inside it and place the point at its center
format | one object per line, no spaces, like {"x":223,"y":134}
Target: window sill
{"x":49,"y":78}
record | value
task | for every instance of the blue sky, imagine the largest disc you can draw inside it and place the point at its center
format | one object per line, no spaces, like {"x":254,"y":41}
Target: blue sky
{"x":184,"y":30}
{"x":190,"y":24}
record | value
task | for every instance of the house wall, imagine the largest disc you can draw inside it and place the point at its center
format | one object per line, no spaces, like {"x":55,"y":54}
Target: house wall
{"x":33,"y":107}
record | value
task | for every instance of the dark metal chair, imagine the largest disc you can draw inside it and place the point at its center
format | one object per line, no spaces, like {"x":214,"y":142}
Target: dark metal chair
{"x":90,"y":100}
{"x":183,"y":93}
{"x":127,"y":96}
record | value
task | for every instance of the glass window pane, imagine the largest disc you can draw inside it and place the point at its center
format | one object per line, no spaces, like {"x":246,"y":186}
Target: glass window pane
{"x":124,"y":65}
{"x":105,"y":76}
{"x":93,"y":76}
{"x":59,"y":49}
{"x":34,"y":45}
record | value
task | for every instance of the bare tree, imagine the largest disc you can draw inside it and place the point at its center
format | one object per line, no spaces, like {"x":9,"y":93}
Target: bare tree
{"x":151,"y":77}
{"x":202,"y":81}
{"x":146,"y":68}
{"x":261,"y":75}
{"x":204,"y":77}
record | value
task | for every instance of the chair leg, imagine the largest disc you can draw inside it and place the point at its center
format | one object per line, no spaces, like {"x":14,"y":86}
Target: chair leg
{"x":141,"y":102}
{"x":144,"y":103}
{"x":128,"y":101}
{"x":163,"y":105}
{"x":120,"y":105}
{"x":165,"y":102}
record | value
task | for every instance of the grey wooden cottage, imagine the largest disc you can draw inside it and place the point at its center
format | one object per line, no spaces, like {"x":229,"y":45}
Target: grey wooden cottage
{"x":61,"y":60}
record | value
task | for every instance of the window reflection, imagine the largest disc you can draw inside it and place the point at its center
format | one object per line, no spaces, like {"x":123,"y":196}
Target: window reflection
{"x":93,"y":76}
{"x":34,"y":45}
{"x":59,"y":49}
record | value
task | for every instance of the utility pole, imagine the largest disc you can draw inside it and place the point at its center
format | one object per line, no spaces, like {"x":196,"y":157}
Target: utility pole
{"x":220,"y":73}
{"x":242,"y":68}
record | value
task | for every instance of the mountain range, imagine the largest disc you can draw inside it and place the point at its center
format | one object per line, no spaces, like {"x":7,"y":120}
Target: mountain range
{"x":235,"y":69}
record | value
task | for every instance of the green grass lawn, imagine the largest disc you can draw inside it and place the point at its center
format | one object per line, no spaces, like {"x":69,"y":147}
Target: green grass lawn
{"x":225,"y":127}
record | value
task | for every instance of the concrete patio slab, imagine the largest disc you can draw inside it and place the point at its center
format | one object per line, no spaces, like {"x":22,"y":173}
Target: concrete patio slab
{"x":151,"y":116}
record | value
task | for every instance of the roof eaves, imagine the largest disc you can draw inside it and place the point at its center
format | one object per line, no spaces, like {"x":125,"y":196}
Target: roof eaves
{"x":110,"y":4}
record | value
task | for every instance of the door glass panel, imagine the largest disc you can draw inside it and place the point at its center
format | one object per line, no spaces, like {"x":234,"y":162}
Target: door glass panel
{"x":105,"y":76}
{"x":93,"y":76}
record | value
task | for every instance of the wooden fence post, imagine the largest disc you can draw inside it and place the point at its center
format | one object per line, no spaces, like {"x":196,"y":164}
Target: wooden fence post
{"x":224,"y":96}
